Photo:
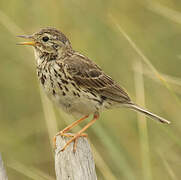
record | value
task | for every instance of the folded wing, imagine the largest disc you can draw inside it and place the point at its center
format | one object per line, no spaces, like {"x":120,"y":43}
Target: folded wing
{"x":89,"y":76}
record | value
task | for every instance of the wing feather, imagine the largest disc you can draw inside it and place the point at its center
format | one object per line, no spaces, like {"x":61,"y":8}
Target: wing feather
{"x":89,"y":76}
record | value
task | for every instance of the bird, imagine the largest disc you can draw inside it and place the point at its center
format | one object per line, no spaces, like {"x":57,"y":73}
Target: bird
{"x":76,"y":83}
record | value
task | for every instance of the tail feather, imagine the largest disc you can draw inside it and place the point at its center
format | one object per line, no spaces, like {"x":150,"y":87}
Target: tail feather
{"x":149,"y":114}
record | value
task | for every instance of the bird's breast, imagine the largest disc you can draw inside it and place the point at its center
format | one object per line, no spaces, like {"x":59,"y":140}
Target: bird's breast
{"x":60,"y":88}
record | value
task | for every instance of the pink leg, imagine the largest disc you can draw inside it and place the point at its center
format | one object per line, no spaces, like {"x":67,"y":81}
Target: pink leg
{"x":96,"y":116}
{"x":62,"y":133}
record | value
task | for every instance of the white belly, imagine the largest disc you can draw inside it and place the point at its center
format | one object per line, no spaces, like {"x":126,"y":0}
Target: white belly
{"x":73,"y":104}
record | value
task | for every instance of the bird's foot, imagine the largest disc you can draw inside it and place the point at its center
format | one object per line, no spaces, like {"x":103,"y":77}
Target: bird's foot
{"x":74,"y":138}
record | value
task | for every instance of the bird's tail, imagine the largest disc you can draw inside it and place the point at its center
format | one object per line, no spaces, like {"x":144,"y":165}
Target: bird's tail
{"x":147,"y":113}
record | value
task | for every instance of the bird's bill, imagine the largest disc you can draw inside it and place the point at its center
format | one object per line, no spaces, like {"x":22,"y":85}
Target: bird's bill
{"x":31,"y":43}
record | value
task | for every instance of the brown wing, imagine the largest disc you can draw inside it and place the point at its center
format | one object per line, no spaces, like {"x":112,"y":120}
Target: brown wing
{"x":89,"y":76}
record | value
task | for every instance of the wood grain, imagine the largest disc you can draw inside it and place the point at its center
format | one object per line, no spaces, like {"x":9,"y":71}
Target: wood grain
{"x":74,"y":166}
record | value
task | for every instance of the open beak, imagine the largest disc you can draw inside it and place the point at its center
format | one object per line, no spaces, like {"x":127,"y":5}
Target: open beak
{"x":31,"y":43}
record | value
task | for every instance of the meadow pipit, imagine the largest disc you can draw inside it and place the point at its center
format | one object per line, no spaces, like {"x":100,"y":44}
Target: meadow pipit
{"x":74,"y":82}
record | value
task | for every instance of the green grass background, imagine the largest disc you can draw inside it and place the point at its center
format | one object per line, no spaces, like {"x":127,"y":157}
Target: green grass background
{"x":138,"y":43}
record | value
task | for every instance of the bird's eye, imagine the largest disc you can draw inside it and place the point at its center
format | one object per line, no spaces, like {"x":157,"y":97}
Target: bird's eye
{"x":45,"y":38}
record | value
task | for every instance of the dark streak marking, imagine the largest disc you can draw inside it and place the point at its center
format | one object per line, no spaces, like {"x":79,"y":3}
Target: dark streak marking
{"x":77,"y":89}
{"x":103,"y":98}
{"x":66,"y":89}
{"x":64,"y":81}
{"x":60,"y":86}
{"x":42,"y":80}
{"x":38,"y":73}
{"x":74,"y":93}
{"x":70,"y":78}
{"x":50,"y":78}
{"x":93,"y":94}
{"x":55,"y":71}
{"x":73,"y":84}
{"x":97,"y":100}
{"x":49,"y":68}
{"x":54,"y":93}
{"x":52,"y":84}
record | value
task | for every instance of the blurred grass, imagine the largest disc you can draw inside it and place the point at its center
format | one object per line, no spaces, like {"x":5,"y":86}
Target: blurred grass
{"x":142,"y":123}
{"x":27,"y":127}
{"x":29,"y":172}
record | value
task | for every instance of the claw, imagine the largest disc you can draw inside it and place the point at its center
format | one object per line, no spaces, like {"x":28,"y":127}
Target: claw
{"x":62,"y":133}
{"x":70,"y":141}
{"x":73,"y":136}
{"x":80,"y":133}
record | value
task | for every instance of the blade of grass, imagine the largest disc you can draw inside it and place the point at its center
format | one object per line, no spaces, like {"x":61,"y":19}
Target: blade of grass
{"x":50,"y":117}
{"x":168,"y":167}
{"x":171,"y":135}
{"x":164,"y":11}
{"x":142,"y":123}
{"x":117,"y":154}
{"x":134,"y":46}
{"x":173,"y":80}
{"x":29,"y":172}
{"x":9,"y":24}
{"x":170,"y":79}
{"x":102,"y":166}
{"x":144,"y":58}
{"x":14,"y":30}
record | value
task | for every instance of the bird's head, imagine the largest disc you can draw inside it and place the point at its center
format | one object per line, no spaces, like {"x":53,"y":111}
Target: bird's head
{"x":47,"y":40}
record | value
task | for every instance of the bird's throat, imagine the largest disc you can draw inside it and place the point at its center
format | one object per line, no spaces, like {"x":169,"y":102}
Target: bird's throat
{"x":42,"y":56}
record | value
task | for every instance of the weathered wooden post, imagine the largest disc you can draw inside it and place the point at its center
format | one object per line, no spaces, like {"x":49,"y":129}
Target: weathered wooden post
{"x":74,"y":166}
{"x":3,"y":175}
